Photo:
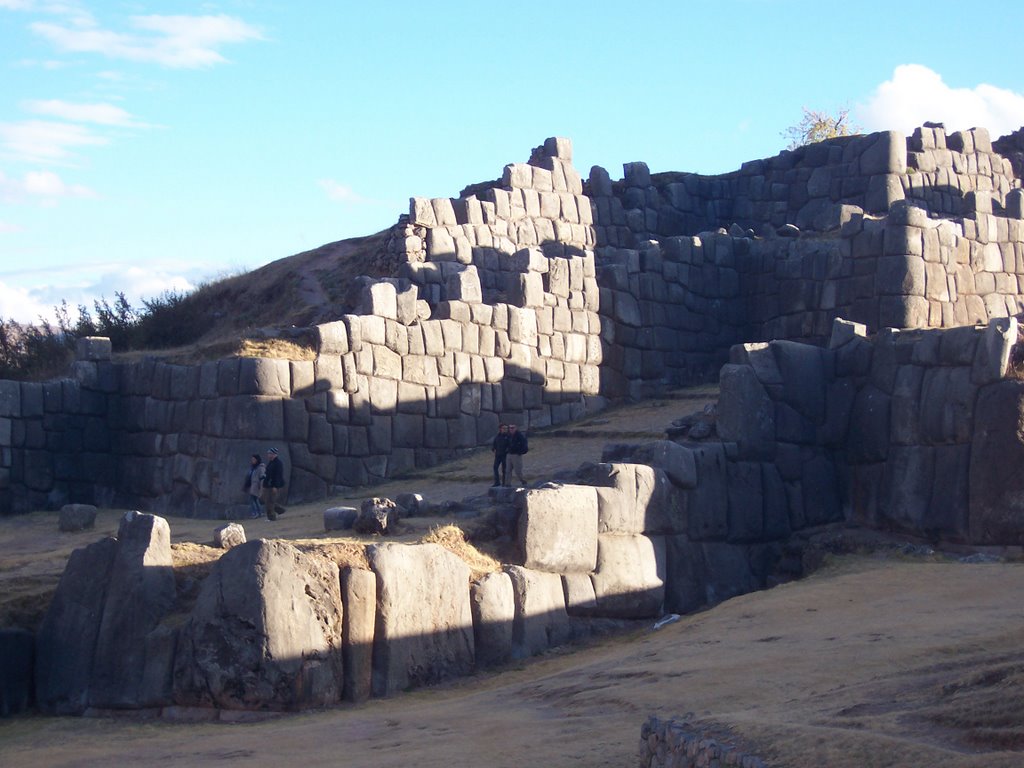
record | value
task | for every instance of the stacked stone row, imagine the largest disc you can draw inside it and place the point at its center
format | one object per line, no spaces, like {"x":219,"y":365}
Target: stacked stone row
{"x":904,"y":432}
{"x":536,"y":204}
{"x":55,"y":446}
{"x":802,"y":187}
{"x":944,"y":171}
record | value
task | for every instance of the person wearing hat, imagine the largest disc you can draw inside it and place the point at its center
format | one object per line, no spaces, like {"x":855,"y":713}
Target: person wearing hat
{"x":273,"y":483}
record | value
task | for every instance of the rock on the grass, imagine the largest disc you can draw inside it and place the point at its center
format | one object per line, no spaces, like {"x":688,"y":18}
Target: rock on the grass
{"x":228,"y":536}
{"x":377,"y":516}
{"x":77,"y":517}
{"x":340,"y":518}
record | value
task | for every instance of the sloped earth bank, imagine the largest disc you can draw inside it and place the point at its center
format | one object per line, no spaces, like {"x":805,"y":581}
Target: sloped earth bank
{"x":870,"y":662}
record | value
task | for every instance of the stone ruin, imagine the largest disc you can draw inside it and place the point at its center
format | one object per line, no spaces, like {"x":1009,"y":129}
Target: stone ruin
{"x":856,"y":299}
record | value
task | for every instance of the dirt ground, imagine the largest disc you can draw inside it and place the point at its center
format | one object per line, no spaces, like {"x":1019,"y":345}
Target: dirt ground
{"x":875,"y":660}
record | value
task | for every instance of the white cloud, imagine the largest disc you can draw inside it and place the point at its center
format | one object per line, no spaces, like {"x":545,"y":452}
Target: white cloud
{"x":340,"y":193}
{"x":19,"y":304}
{"x":26,"y":296}
{"x":179,"y":42}
{"x":44,"y":187}
{"x":7,"y":228}
{"x":916,"y":94}
{"x":44,"y":140}
{"x":97,"y":112}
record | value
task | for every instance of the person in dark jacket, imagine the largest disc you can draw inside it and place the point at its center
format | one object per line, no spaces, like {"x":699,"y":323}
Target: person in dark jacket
{"x":273,"y":485}
{"x":499,"y":447}
{"x":254,"y":485}
{"x":517,"y":446}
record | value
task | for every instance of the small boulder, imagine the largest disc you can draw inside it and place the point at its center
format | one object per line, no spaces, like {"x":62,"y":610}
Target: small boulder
{"x":412,"y":504}
{"x":377,"y":516}
{"x":231,"y":535}
{"x":77,"y":517}
{"x":340,"y":518}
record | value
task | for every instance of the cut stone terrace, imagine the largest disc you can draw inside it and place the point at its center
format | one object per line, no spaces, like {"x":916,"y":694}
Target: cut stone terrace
{"x":538,"y":298}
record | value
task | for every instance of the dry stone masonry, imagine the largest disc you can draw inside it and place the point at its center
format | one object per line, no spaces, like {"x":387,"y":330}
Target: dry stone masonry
{"x":540,"y":297}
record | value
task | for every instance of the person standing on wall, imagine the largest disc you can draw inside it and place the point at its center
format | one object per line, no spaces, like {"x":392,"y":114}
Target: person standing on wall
{"x":273,"y":483}
{"x":499,"y":447}
{"x":517,"y":446}
{"x":254,"y":484}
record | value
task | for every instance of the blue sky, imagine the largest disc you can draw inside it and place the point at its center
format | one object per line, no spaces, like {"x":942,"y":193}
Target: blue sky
{"x":152,"y":145}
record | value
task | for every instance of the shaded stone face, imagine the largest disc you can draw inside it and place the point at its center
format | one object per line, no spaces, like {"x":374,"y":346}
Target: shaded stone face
{"x":265,"y":633}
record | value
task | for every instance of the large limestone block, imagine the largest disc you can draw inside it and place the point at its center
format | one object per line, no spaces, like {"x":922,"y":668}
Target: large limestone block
{"x":541,"y":621}
{"x":66,"y":641}
{"x":359,"y":596}
{"x":77,"y":517}
{"x":558,"y":528}
{"x":629,"y":581}
{"x":139,"y":594}
{"x":675,"y":460}
{"x":707,"y":504}
{"x":728,"y":572}
{"x":746,"y":415}
{"x":265,"y":633}
{"x":645,"y":501}
{"x":17,"y":649}
{"x":264,"y":376}
{"x":908,"y":482}
{"x":684,"y":574}
{"x":424,"y":619}
{"x":996,"y":507}
{"x":803,"y":372}
{"x":494,"y":611}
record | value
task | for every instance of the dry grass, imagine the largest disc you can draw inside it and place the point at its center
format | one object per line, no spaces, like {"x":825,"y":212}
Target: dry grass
{"x":453,"y":539}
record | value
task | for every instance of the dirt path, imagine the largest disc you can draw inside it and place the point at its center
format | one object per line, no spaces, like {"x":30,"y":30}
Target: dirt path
{"x":853,"y":667}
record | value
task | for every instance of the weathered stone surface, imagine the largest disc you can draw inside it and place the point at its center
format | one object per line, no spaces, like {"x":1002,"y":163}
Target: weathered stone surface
{"x":629,"y":580}
{"x":66,"y":642}
{"x":907,"y":486}
{"x":541,"y":621}
{"x":868,"y":438}
{"x":340,"y":518}
{"x":377,"y":516}
{"x":803,"y":370}
{"x":17,"y":656}
{"x":727,"y":572}
{"x":558,"y":528}
{"x":996,"y":506}
{"x":675,"y":460}
{"x":359,"y":597}
{"x":746,"y":415}
{"x":746,"y":501}
{"x":708,"y":502}
{"x":139,"y":594}
{"x":424,"y":628}
{"x":265,"y":633}
{"x":77,"y":517}
{"x":494,"y":610}
{"x":228,"y":536}
{"x":580,"y":599}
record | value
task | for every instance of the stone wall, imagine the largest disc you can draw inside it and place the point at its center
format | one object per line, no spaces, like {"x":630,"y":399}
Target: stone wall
{"x":913,"y":431}
{"x":538,"y":298}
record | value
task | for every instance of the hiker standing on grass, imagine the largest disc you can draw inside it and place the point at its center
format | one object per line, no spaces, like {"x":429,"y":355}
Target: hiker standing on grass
{"x":273,"y":483}
{"x":500,"y":449}
{"x":517,"y":446}
{"x":254,"y":484}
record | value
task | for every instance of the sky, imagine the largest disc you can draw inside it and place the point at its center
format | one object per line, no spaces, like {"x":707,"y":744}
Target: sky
{"x":152,"y":146}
